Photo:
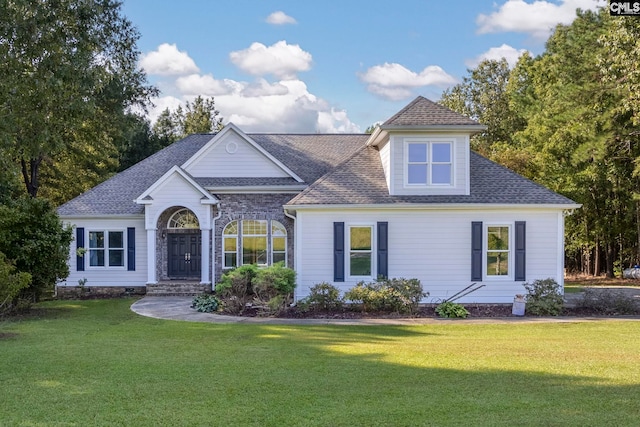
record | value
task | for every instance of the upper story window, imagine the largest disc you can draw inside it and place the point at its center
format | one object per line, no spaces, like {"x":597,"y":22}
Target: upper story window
{"x":429,"y":163}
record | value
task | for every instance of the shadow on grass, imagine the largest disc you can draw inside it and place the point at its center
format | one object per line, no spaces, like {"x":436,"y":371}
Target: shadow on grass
{"x":98,"y":365}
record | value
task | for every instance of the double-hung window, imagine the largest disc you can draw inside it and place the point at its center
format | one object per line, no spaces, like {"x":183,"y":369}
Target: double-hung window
{"x":106,"y":248}
{"x":498,"y":258}
{"x":429,"y":163}
{"x":360,"y":250}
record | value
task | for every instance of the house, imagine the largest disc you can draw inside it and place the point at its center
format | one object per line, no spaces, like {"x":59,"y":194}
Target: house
{"x":411,"y":200}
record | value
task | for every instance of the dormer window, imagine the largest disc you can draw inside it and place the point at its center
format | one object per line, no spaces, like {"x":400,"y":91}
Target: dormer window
{"x":429,"y":162}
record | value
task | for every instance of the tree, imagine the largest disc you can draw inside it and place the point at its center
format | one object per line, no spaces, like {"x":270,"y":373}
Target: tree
{"x":69,"y":72}
{"x":35,"y":240}
{"x":199,"y":116}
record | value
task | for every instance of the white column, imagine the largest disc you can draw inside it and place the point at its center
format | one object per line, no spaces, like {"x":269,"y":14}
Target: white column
{"x":204,"y":258}
{"x":151,"y":256}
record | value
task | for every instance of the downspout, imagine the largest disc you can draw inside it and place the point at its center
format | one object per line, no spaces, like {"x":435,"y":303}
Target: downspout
{"x":213,"y":247}
{"x":295,"y":249}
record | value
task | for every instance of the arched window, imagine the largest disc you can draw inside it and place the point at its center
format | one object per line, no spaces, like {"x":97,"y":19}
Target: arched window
{"x":253,"y":241}
{"x":183,"y":218}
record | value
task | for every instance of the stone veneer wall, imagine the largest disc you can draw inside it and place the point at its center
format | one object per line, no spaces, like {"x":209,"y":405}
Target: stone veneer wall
{"x":72,"y":292}
{"x":252,"y":206}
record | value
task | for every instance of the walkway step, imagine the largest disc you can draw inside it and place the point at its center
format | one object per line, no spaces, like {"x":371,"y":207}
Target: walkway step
{"x":177,"y":289}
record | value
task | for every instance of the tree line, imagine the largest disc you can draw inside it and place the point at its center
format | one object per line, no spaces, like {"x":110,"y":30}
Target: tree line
{"x":569,"y":119}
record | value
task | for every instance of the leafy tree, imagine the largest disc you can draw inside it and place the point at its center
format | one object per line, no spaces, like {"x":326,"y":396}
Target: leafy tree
{"x":12,"y":282}
{"x":69,"y":71}
{"x":199,"y":116}
{"x":33,"y":237}
{"x":139,"y":141}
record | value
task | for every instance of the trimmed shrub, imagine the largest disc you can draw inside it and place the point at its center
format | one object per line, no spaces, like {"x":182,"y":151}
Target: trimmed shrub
{"x":322,"y":297}
{"x":206,"y":303}
{"x":390,"y":295}
{"x":543,"y":298}
{"x":270,"y":288}
{"x":451,"y":310}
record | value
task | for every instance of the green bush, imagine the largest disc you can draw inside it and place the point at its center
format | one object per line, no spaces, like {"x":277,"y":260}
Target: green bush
{"x":387,"y":295}
{"x":34,"y":238}
{"x":543,"y":298}
{"x":273,"y":287}
{"x":607,"y":302}
{"x":322,"y":297}
{"x":206,"y":303}
{"x":11,"y":284}
{"x":451,"y":310}
{"x":270,"y":288}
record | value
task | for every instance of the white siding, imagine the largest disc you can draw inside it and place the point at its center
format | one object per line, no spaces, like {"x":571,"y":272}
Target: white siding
{"x":460,"y":166}
{"x":385,"y":159}
{"x":109,"y":276}
{"x":233,"y":157}
{"x":433,"y":246}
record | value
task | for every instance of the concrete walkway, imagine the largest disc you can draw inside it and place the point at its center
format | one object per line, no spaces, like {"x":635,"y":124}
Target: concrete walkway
{"x":179,"y":308}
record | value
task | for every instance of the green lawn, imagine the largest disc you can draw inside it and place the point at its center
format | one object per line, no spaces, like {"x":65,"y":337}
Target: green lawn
{"x":85,"y":363}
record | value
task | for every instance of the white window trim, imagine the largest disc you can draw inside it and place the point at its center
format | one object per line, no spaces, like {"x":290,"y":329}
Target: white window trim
{"x":485,"y":249}
{"x":429,"y":142}
{"x":347,"y":254}
{"x":243,"y":235}
{"x":239,"y":242}
{"x":106,"y":249}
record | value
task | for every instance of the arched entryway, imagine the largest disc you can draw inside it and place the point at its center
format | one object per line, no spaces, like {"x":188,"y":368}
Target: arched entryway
{"x":184,"y":246}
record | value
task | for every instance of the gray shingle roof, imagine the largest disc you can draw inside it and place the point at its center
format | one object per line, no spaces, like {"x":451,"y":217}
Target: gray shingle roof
{"x":361,"y":180}
{"x":309,"y":156}
{"x":423,"y":112}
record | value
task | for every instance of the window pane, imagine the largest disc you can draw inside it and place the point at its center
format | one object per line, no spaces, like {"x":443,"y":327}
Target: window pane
{"x":116,"y":258}
{"x":441,"y":174}
{"x":361,"y":264}
{"x":116,"y":239}
{"x":441,"y":152}
{"x":96,"y":239}
{"x":417,"y":174}
{"x":230,"y":259}
{"x":254,"y":227}
{"x":279,"y":244}
{"x":278,"y":229}
{"x":498,"y":238}
{"x":96,"y":258}
{"x":417,"y":152}
{"x":254,"y":250}
{"x":360,"y":238}
{"x":231,"y":228}
{"x":497,"y":263}
{"x":277,"y":257}
{"x":230,"y":244}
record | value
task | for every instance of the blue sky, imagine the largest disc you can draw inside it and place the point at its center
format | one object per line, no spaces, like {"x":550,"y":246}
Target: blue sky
{"x":331,"y":66}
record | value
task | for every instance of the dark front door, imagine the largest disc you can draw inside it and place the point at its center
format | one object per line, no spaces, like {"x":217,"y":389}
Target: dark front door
{"x":184,"y":255}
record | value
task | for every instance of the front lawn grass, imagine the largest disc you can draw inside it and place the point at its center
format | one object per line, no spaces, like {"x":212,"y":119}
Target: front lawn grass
{"x":81,"y":363}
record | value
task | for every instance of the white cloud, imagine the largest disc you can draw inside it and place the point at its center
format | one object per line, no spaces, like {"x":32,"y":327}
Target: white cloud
{"x":395,"y":82}
{"x":537,"y":18}
{"x":206,"y":85}
{"x":505,"y":51}
{"x":280,"y":18}
{"x":168,"y":61}
{"x":281,"y":60}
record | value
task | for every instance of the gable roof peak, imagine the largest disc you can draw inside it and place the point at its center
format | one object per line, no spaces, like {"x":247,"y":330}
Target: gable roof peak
{"x":422,"y":113}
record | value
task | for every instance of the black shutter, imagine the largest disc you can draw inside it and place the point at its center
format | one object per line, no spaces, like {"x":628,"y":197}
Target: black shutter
{"x":521,"y":245}
{"x":79,"y":244}
{"x":476,"y":251}
{"x":338,"y":251}
{"x":383,"y":253}
{"x":131,"y":249}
